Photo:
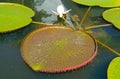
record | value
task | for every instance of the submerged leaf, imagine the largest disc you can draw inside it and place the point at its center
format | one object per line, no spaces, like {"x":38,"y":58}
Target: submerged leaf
{"x":101,"y":3}
{"x":14,"y":16}
{"x":113,"y":16}
{"x":114,"y":69}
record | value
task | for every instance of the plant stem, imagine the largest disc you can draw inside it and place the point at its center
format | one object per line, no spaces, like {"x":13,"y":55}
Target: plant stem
{"x":77,"y":26}
{"x":66,"y":20}
{"x":97,"y":26}
{"x":109,"y":48}
{"x":42,"y":23}
{"x":38,"y":22}
{"x":23,"y":2}
{"x":85,"y":15}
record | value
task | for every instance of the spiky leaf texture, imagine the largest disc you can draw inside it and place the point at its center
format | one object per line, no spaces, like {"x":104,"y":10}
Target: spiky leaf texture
{"x":57,"y":49}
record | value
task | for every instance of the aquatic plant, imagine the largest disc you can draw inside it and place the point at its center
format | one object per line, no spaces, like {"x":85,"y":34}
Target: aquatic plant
{"x":14,"y":16}
{"x":64,"y":48}
{"x":114,"y":69}
{"x":61,"y":11}
{"x":113,"y":16}
{"x":57,"y":49}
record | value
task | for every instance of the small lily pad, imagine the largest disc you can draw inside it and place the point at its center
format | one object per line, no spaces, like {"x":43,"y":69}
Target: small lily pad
{"x":114,"y":69}
{"x":57,"y":49}
{"x":113,"y":16}
{"x":14,"y":16}
{"x":101,"y":3}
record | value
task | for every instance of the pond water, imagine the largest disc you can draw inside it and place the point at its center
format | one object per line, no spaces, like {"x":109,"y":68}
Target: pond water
{"x":12,"y":65}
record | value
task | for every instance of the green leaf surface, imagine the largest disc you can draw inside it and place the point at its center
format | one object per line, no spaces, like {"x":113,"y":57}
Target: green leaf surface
{"x":114,"y":69}
{"x":113,"y":16}
{"x":14,"y":16}
{"x":101,"y":3}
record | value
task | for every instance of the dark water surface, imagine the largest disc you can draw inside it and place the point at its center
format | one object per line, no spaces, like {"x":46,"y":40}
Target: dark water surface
{"x":12,"y":65}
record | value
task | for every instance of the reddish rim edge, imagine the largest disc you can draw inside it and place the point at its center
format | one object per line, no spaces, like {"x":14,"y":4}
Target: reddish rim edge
{"x":71,"y":67}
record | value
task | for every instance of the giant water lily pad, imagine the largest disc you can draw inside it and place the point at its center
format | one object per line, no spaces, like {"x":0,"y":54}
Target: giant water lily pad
{"x":57,"y":49}
{"x":14,"y":16}
{"x":101,"y":3}
{"x":113,"y":16}
{"x":114,"y":69}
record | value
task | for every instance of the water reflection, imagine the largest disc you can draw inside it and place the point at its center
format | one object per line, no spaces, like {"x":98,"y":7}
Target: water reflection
{"x":14,"y":39}
{"x":39,"y":2}
{"x":12,"y":63}
{"x":94,"y":17}
{"x":46,"y":7}
{"x":39,"y":15}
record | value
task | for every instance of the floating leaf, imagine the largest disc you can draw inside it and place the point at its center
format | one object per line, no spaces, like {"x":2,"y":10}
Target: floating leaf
{"x":114,"y":69}
{"x":101,"y":3}
{"x":14,"y":16}
{"x":57,"y":49}
{"x":113,"y":16}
